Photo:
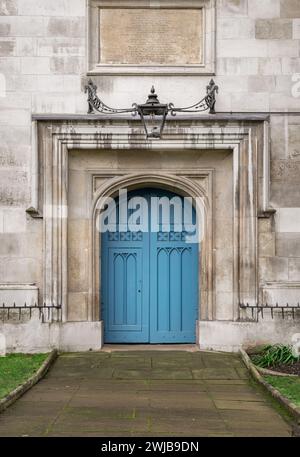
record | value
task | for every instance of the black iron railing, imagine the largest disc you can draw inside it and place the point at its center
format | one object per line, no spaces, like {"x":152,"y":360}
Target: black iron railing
{"x":45,"y":311}
{"x":260,"y":309}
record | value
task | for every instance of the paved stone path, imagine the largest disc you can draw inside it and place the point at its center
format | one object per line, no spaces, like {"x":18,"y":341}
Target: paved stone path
{"x":145,"y":393}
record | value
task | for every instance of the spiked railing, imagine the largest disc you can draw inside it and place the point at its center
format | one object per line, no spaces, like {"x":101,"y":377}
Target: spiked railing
{"x":45,"y":312}
{"x":260,"y":309}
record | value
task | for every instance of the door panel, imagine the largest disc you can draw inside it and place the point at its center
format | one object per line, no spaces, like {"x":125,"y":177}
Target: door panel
{"x":150,"y":283}
{"x":125,"y":293}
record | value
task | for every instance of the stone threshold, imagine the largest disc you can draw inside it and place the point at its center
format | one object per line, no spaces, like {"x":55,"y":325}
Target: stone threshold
{"x":150,"y":347}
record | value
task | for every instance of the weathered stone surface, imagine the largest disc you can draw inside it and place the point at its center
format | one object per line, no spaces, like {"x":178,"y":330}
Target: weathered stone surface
{"x":289,"y":198}
{"x":264,"y":9}
{"x":284,"y":170}
{"x":66,"y":65}
{"x":66,"y":27}
{"x":35,"y":65}
{"x":237,"y":66}
{"x":296,"y":29}
{"x":273,"y":269}
{"x":288,"y":244}
{"x":289,"y":8}
{"x":294,"y":270}
{"x":258,"y":84}
{"x":231,"y":28}
{"x":53,"y":46}
{"x":140,"y":36}
{"x":273,"y":29}
{"x":7,"y":47}
{"x":41,"y":8}
{"x":266,"y":246}
{"x":90,"y":400}
{"x":23,"y":25}
{"x":234,"y":7}
{"x":8,"y":7}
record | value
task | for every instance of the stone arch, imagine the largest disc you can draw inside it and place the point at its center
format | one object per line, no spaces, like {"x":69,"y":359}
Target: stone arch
{"x":178,"y":184}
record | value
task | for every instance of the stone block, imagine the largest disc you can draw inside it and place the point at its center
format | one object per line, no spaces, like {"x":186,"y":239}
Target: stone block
{"x":234,"y":7}
{"x":50,"y":83}
{"x":11,"y":66}
{"x":53,"y":46}
{"x":282,"y":102}
{"x":273,"y":269}
{"x":230,"y":28}
{"x":290,"y":65}
{"x":18,"y":26}
{"x":294,"y":270}
{"x":66,"y":27}
{"x":237,"y":66}
{"x":224,"y":306}
{"x":284,"y":197}
{"x":270,"y":66}
{"x":261,"y":84}
{"x":77,"y":307}
{"x":14,"y":220}
{"x":55,"y":103}
{"x":55,"y":8}
{"x":15,"y":117}
{"x":250,"y":101}
{"x":264,"y":8}
{"x":279,"y":48}
{"x":279,"y":137}
{"x":285,"y":170}
{"x":284,"y":85}
{"x":35,"y":65}
{"x":26,"y":46}
{"x":281,"y":293}
{"x":8,"y":8}
{"x":270,"y":29}
{"x":1,"y":221}
{"x":266,"y":245}
{"x":232,"y":83}
{"x":14,"y":100}
{"x":246,"y":48}
{"x":294,"y":140}
{"x":18,"y":294}
{"x":265,"y":225}
{"x":4,"y":28}
{"x":288,"y":220}
{"x":7,"y":47}
{"x":23,"y":270}
{"x":67,"y":65}
{"x":26,"y":244}
{"x":296,"y":29}
{"x":288,"y":244}
{"x":290,"y":8}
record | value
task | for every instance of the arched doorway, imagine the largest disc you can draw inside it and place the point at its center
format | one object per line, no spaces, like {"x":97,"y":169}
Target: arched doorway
{"x":149,"y":270}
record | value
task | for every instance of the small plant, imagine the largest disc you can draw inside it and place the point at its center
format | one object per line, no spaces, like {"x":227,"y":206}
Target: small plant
{"x":275,"y":355}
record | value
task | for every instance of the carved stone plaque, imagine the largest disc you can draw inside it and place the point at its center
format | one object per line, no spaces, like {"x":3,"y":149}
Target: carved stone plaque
{"x":143,"y":36}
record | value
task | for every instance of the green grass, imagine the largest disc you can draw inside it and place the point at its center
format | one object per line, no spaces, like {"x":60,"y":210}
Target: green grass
{"x":273,"y":355}
{"x":15,"y":369}
{"x":289,"y":387}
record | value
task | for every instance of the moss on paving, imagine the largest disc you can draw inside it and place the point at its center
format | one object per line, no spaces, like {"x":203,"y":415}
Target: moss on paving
{"x":15,"y":369}
{"x":288,"y":386}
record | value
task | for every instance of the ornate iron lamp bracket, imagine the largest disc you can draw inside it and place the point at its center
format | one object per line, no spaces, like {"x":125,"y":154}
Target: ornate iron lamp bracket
{"x":152,"y":107}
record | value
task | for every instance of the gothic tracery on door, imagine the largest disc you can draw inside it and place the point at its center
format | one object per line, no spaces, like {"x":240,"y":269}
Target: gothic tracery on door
{"x":150,"y":280}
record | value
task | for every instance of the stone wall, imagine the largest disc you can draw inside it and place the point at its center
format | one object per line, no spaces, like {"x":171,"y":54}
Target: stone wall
{"x":43,"y":68}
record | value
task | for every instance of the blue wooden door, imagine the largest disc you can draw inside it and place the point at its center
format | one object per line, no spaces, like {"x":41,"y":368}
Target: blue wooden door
{"x":149,"y":282}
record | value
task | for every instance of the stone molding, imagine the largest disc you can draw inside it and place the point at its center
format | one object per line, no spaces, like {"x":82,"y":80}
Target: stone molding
{"x":244,"y":139}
